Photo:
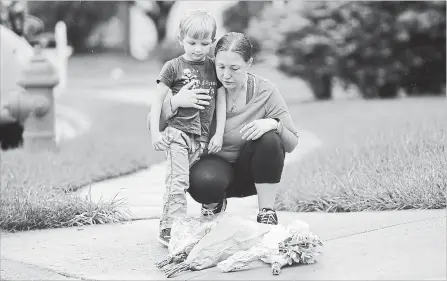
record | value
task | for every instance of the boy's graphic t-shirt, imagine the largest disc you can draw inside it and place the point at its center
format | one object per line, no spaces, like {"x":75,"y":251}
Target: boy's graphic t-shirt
{"x":178,"y":72}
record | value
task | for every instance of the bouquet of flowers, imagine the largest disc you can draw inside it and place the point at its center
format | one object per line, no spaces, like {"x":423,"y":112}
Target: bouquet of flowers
{"x":298,"y":248}
{"x":228,"y":235}
{"x":279,"y":247}
{"x":232,"y":243}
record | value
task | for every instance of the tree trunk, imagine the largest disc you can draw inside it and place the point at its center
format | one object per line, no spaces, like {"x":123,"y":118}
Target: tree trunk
{"x":322,"y":86}
{"x":388,"y":91}
{"x":161,"y":17}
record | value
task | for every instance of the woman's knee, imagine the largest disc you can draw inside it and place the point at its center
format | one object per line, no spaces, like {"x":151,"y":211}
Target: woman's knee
{"x":270,"y":141}
{"x":268,"y":158}
{"x":209,"y":178}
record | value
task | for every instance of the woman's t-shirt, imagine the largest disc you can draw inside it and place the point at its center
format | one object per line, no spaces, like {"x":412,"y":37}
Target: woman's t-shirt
{"x":263,"y":101}
{"x":266,"y":102}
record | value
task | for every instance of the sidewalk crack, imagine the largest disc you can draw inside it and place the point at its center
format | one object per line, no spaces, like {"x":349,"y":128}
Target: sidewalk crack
{"x":68,"y":275}
{"x":380,"y":228}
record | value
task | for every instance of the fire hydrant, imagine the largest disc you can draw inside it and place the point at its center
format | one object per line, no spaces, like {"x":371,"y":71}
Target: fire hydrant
{"x":38,"y":79}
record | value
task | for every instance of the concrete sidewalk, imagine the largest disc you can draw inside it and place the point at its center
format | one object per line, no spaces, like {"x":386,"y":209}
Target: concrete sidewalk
{"x":368,"y":245}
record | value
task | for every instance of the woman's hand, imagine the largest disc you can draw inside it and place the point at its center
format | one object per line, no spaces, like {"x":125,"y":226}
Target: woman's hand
{"x":255,"y":129}
{"x":187,"y":97}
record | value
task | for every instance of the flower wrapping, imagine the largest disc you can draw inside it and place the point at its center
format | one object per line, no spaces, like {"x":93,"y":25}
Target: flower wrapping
{"x":232,"y":243}
{"x":229,"y":234}
{"x":186,"y":233}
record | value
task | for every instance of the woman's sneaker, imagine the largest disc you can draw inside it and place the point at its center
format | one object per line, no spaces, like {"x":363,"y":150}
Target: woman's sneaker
{"x":212,"y":211}
{"x":165,"y":236}
{"x":267,"y":216}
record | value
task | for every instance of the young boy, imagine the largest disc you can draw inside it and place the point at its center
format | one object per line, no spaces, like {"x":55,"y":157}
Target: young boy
{"x":186,"y":136}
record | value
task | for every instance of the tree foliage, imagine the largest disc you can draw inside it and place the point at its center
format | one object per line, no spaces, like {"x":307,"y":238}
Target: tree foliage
{"x":236,"y":18}
{"x":302,"y":48}
{"x":378,"y":46}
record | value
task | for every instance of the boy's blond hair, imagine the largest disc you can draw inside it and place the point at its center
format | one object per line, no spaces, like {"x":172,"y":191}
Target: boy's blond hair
{"x":197,"y":24}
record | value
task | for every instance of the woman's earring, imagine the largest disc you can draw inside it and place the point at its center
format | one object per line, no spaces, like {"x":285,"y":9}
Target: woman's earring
{"x":250,"y":62}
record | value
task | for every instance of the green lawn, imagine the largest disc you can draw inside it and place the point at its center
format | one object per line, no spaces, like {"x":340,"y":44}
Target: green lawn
{"x":376,"y":155}
{"x":37,"y":184}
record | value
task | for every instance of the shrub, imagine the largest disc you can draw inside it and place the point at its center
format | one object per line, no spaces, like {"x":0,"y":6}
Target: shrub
{"x":237,"y":18}
{"x":381,"y":44}
{"x":302,"y":49}
{"x":378,"y":46}
{"x":423,"y":25}
{"x":81,"y":17}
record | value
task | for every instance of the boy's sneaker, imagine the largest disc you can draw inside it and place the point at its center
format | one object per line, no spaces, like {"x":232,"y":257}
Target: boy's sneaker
{"x":209,"y":212}
{"x":267,"y":216}
{"x":165,"y":236}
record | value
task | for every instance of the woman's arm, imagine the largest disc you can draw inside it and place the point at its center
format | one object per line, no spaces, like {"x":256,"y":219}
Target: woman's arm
{"x":166,"y":113}
{"x":255,"y":129}
{"x":221,"y":112}
{"x":159,"y":96}
{"x":277,"y":110}
{"x":289,"y":138}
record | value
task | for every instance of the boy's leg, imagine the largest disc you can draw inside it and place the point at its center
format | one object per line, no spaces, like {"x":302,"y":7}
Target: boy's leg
{"x":196,"y":151}
{"x":177,"y":178}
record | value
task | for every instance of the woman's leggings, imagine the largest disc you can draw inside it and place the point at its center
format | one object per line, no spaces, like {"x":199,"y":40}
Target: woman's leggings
{"x":261,"y":161}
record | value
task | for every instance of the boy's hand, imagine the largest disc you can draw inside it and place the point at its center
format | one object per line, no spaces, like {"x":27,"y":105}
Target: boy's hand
{"x":215,"y":144}
{"x":159,"y":142}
